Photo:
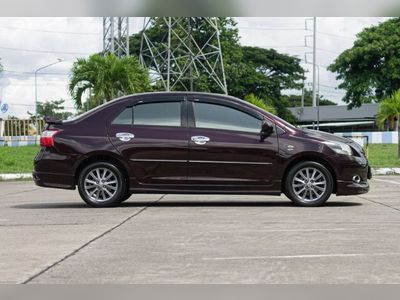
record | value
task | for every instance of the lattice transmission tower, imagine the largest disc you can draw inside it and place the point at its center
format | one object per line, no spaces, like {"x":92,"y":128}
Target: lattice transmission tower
{"x":179,"y":50}
{"x":116,"y":35}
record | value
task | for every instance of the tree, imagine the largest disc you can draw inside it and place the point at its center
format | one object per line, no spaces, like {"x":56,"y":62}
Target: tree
{"x":295,"y":100}
{"x":389,"y":112}
{"x":51,"y":109}
{"x":266,"y":73}
{"x":249,"y":70}
{"x":251,"y":98}
{"x":107,"y":77}
{"x":370,"y":70}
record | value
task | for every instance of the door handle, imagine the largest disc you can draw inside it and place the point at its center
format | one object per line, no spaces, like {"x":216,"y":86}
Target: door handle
{"x":200,"y":140}
{"x":124,"y":136}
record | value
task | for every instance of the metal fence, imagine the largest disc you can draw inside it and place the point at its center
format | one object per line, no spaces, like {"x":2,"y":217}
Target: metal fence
{"x":20,"y":132}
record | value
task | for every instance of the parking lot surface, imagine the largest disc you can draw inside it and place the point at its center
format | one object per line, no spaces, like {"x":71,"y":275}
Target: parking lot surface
{"x":51,"y":236}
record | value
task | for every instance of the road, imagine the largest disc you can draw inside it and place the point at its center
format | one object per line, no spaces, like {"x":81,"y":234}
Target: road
{"x":50,"y":236}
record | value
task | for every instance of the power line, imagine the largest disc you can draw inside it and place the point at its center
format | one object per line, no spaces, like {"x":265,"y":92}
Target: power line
{"x":44,"y":51}
{"x":51,"y":31}
{"x":336,"y":35}
{"x":22,"y":73}
{"x":271,"y":28}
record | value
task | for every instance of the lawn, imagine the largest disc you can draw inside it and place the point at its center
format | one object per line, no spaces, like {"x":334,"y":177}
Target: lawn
{"x":17,"y":159}
{"x":383,"y":156}
{"x":20,"y":159}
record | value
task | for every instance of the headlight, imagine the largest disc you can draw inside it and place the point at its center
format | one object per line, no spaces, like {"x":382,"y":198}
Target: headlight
{"x":340,"y":148}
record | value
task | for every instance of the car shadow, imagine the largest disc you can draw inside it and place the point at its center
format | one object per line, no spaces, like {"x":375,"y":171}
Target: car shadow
{"x":169,"y":203}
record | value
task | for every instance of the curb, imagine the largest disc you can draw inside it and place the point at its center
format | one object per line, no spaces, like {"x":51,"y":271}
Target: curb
{"x":386,"y":171}
{"x":16,"y":176}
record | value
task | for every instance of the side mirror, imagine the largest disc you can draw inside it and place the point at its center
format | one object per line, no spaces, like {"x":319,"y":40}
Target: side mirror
{"x":266,"y":130}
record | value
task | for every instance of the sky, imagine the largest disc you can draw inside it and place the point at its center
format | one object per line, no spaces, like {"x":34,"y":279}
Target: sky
{"x":29,"y":43}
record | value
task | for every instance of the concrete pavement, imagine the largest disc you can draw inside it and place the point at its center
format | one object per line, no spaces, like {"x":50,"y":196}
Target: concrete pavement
{"x":50,"y":236}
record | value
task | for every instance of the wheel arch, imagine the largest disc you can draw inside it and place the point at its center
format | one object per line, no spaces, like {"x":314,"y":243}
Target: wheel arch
{"x":102,"y":157}
{"x":314,"y":157}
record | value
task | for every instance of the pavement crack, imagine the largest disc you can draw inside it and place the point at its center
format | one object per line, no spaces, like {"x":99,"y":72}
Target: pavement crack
{"x":90,"y":242}
{"x":380,"y":203}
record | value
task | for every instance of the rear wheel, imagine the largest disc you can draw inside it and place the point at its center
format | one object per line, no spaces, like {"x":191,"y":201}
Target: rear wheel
{"x":309,"y":184}
{"x":101,"y":184}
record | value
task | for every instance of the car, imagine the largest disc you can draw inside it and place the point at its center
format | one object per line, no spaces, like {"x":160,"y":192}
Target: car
{"x":188,"y":142}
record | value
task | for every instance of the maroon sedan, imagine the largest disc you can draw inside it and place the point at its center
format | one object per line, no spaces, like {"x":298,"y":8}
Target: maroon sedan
{"x":195,"y":143}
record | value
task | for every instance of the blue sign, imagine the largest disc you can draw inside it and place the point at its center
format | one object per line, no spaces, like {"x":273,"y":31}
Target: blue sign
{"x":4,"y":107}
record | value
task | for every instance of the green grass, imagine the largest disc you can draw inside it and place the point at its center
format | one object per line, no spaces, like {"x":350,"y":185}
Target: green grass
{"x":20,"y":159}
{"x":383,"y":156}
{"x":17,"y":159}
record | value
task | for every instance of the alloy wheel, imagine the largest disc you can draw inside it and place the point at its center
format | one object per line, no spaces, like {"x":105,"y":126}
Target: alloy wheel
{"x":101,"y":184}
{"x":309,"y":184}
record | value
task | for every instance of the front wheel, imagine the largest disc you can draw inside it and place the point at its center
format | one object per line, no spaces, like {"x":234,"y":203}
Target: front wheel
{"x":101,"y":184}
{"x":309,"y":184}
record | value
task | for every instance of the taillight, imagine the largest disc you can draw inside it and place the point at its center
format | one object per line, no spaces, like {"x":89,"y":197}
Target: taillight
{"x":47,"y":138}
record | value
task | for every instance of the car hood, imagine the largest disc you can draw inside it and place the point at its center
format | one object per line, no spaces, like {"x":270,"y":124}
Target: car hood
{"x":324,"y":136}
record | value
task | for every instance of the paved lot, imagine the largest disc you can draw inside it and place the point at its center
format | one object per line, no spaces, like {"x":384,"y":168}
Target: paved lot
{"x":50,"y":236}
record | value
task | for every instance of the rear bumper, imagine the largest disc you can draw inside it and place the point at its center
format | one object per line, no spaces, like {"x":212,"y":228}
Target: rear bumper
{"x":54,"y":180}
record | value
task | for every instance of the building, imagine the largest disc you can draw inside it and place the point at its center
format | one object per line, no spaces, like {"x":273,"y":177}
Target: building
{"x":338,"y":118}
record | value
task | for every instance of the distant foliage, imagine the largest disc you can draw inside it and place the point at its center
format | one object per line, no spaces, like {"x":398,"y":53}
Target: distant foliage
{"x":54,"y":109}
{"x":370,"y":70}
{"x":295,"y":100}
{"x":389,"y":113}
{"x":106,"y":77}
{"x":253,"y":99}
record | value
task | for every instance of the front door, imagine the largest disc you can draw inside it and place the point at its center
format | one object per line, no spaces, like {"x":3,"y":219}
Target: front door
{"x":225,"y":151}
{"x":152,"y":136}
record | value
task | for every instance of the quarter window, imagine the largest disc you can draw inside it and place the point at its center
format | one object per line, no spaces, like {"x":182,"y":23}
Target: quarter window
{"x":216,"y":116}
{"x":125,"y":117}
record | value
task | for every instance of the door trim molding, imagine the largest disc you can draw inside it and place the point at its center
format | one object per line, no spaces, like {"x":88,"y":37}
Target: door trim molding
{"x":201,"y":161}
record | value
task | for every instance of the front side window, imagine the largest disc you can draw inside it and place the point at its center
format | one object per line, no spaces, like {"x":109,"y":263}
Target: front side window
{"x":157,"y":114}
{"x":208,"y":115}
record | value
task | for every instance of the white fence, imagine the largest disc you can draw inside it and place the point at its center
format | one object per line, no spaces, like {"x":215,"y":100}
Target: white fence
{"x":20,"y":132}
{"x":374,"y":137}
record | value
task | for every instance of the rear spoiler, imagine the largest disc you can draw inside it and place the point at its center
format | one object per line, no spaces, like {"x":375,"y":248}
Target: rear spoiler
{"x":52,"y":120}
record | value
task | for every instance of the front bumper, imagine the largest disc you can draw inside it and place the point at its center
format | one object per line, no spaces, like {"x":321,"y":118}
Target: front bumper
{"x":345,"y":183}
{"x":351,"y":188}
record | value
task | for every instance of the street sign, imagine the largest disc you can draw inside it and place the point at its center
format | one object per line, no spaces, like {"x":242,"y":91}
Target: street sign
{"x":3,"y":107}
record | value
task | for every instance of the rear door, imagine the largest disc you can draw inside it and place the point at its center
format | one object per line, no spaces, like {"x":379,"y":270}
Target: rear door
{"x":225,"y":151}
{"x":152,"y":136}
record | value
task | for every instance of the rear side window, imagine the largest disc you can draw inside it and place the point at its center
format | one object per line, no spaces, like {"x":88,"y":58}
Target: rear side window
{"x":157,"y":113}
{"x":216,"y":116}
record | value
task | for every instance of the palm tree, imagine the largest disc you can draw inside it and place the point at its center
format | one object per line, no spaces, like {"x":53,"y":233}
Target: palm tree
{"x":107,"y":77}
{"x":389,"y":112}
{"x":253,"y":99}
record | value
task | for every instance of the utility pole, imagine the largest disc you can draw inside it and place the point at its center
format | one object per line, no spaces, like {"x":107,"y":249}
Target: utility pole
{"x":169,"y":55}
{"x":314,"y":98}
{"x":190,"y":53}
{"x":302,"y":96}
{"x":318,"y":96}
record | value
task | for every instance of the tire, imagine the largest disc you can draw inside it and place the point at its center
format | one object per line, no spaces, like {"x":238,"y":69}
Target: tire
{"x":126,"y":196}
{"x":308,"y":184}
{"x":92,"y":185}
